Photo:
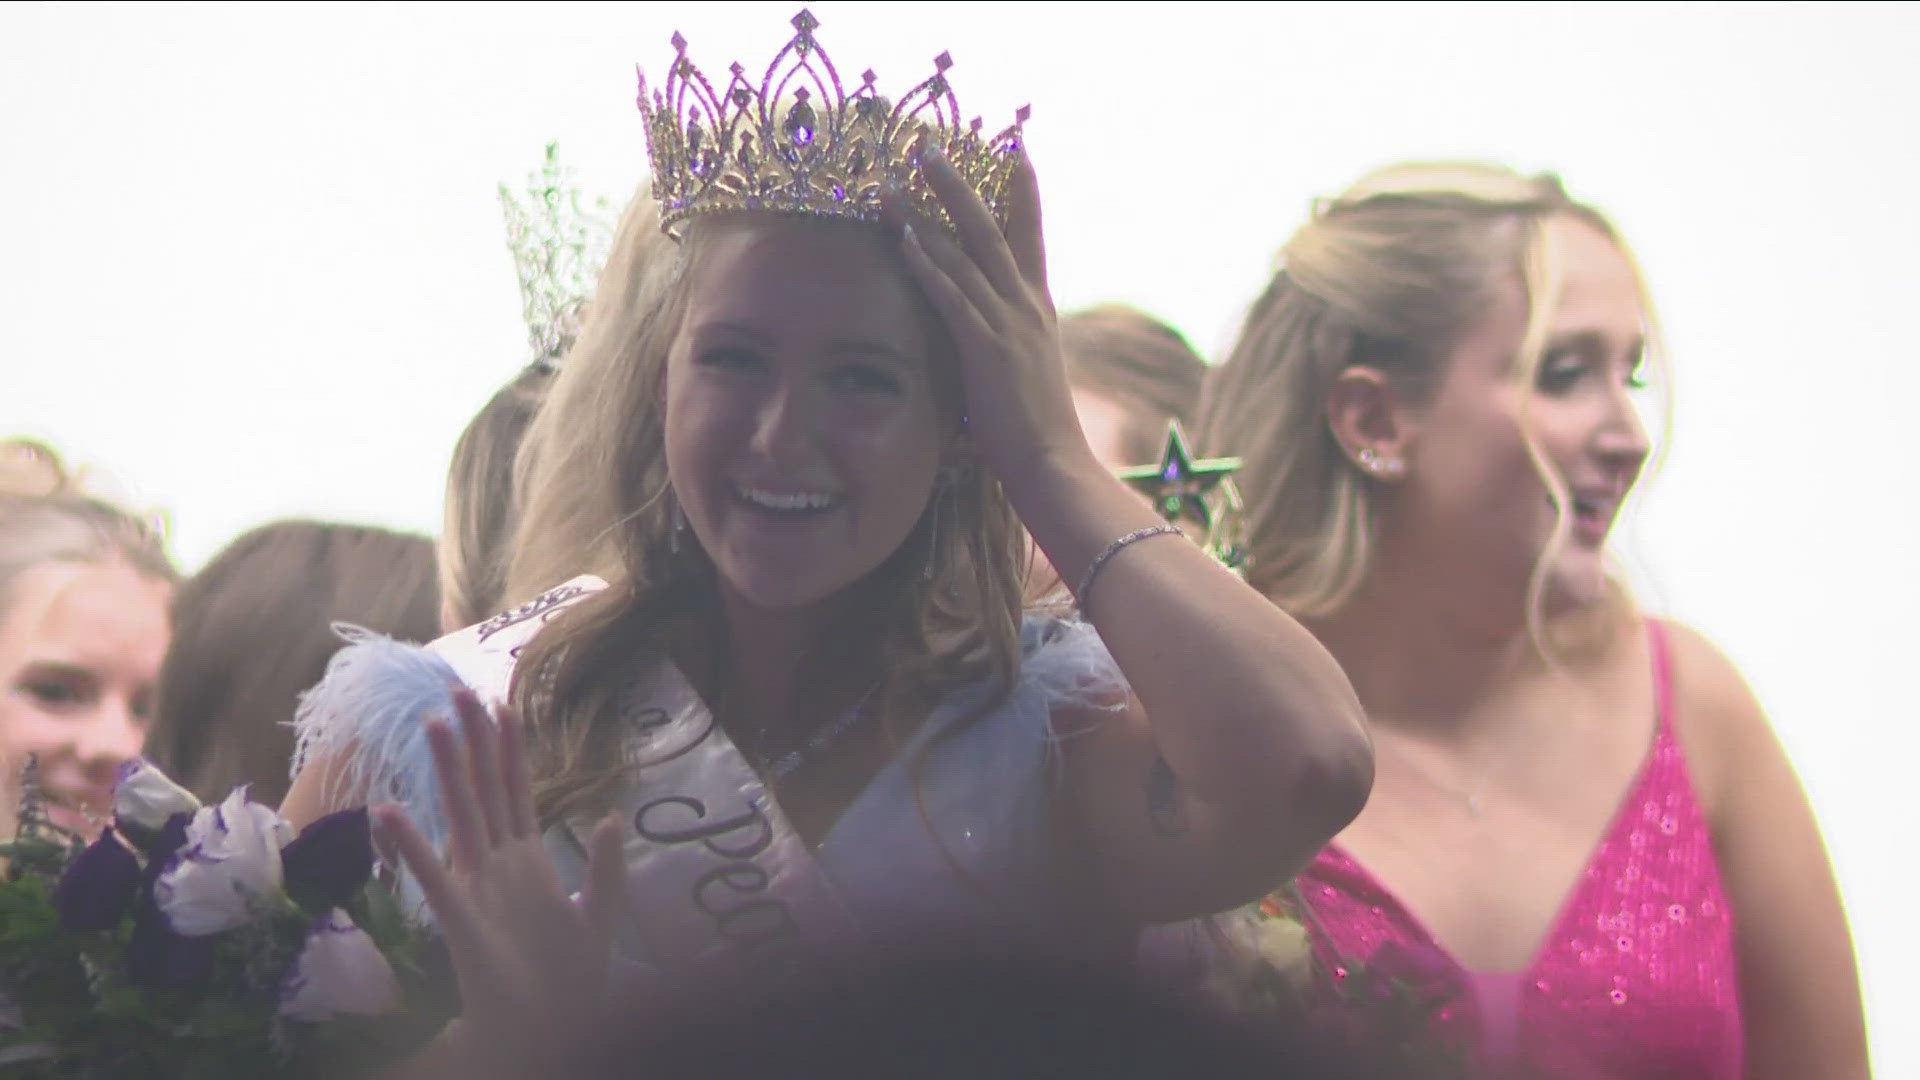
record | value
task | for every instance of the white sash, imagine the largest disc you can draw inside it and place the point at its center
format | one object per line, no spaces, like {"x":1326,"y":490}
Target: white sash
{"x":715,"y":873}
{"x":483,"y":654}
{"x":717,"y":878}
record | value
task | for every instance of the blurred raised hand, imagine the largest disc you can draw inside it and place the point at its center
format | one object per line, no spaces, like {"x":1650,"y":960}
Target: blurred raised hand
{"x":531,"y":961}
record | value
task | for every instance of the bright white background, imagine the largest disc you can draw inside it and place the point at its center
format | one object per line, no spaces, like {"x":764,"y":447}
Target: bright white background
{"x":251,"y":263}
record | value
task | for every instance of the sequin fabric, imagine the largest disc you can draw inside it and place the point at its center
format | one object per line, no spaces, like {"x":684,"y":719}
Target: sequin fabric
{"x":1636,"y":979}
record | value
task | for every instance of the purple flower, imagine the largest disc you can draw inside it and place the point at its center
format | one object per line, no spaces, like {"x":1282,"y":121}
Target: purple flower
{"x":329,"y":862}
{"x":165,"y":844}
{"x":340,"y":972}
{"x":96,"y":888}
{"x":158,"y":957}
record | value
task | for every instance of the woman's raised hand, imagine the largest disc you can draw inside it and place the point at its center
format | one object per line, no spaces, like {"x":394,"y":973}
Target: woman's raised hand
{"x":1246,"y":733}
{"x":531,"y":962}
{"x":991,"y":288}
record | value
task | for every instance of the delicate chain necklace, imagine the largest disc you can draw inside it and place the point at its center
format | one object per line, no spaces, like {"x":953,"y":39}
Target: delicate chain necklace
{"x":1468,"y":796}
{"x":777,"y":769}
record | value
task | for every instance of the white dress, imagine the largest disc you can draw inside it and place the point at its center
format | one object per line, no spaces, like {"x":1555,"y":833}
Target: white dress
{"x":951,"y":843}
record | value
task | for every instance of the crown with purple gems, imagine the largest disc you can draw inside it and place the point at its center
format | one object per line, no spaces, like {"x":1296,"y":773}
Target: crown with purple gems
{"x":798,"y":143}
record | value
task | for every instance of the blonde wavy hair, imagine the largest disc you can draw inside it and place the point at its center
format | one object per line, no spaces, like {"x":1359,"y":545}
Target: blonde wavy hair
{"x":940,"y":613}
{"x":482,"y":500}
{"x":48,"y":515}
{"x":1388,"y":275}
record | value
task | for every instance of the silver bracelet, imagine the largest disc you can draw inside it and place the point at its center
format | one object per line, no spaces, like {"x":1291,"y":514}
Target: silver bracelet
{"x":1100,"y":560}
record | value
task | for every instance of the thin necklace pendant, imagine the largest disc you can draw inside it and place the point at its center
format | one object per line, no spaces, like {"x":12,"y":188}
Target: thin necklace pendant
{"x":778,"y":769}
{"x":1468,"y":799}
{"x":781,"y":767}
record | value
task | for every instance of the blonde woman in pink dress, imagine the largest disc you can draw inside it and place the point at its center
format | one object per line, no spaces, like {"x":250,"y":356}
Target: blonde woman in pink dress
{"x":1584,"y":841}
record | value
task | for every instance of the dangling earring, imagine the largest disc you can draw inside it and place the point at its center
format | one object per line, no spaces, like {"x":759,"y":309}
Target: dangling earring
{"x":943,"y":490}
{"x":1370,"y":460}
{"x":679,"y":524}
{"x":933,"y":530}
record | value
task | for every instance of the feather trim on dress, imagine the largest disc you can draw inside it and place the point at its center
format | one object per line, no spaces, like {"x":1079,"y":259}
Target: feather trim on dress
{"x":366,"y":723}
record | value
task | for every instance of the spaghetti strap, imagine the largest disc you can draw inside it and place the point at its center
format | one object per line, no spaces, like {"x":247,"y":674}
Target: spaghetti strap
{"x":1635,"y":976}
{"x":1662,"y":673}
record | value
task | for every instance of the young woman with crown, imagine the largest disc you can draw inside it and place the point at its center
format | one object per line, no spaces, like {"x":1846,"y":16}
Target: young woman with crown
{"x":806,"y":709}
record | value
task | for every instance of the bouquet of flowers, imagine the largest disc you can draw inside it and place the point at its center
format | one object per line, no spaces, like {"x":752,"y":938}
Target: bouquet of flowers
{"x":1397,"y":1010}
{"x":205,"y":941}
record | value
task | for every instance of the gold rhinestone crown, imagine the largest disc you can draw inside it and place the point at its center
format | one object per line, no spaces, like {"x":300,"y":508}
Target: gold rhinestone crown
{"x":799,"y":144}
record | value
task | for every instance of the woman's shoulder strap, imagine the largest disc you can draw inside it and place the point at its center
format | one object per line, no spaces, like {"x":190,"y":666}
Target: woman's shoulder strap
{"x":1662,"y":655}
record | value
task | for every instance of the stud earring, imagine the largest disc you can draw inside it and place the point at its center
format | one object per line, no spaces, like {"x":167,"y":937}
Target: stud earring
{"x":1370,"y":460}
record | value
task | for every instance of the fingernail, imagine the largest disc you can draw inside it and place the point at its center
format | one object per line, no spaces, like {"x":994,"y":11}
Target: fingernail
{"x":907,"y":235}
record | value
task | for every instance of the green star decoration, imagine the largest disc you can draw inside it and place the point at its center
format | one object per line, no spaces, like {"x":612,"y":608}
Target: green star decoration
{"x":1180,"y":487}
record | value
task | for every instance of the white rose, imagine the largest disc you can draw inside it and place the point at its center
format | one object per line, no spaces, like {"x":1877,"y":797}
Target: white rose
{"x":145,"y":797}
{"x":1284,"y":943}
{"x":230,"y":861}
{"x":340,"y":971}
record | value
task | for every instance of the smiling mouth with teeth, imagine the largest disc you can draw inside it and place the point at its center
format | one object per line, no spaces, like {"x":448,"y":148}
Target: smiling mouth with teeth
{"x":788,"y":501}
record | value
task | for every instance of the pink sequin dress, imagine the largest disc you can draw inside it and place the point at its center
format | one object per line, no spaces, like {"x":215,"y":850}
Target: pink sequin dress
{"x":1636,"y":978}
